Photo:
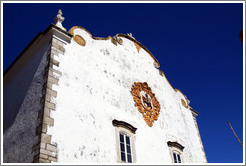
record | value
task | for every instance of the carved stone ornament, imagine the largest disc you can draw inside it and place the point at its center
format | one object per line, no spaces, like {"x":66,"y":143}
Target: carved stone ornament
{"x":146,"y":102}
{"x":59,"y":19}
{"x":184,"y":103}
{"x":80,"y":40}
{"x":118,"y":39}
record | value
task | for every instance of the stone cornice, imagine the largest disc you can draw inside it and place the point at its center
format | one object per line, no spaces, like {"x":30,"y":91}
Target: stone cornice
{"x":175,"y":144}
{"x":117,"y":123}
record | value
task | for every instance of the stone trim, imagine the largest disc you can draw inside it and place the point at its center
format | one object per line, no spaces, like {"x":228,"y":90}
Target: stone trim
{"x":125,"y":130}
{"x":175,"y":144}
{"x":117,"y":123}
{"x":157,"y":65}
{"x":45,"y":150}
{"x":113,"y":41}
{"x":138,"y":47}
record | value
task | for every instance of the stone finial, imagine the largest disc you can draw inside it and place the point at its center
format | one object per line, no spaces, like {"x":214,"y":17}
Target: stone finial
{"x":130,"y":35}
{"x":118,"y":39}
{"x":59,"y":19}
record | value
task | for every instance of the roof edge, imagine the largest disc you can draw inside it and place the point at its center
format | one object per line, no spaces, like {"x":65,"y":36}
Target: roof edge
{"x":156,"y":64}
{"x":33,"y":41}
{"x":22,"y":52}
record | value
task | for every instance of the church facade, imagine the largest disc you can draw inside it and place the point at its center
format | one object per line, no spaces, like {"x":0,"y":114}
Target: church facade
{"x":74,"y":98}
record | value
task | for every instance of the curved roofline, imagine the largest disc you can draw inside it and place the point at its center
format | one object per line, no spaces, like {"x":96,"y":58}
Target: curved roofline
{"x":177,"y":90}
{"x":156,"y":63}
{"x":33,"y":41}
{"x":96,"y":38}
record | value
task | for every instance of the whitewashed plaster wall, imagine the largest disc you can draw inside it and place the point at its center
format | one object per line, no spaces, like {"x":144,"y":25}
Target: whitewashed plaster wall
{"x":94,"y":89}
{"x":21,"y":104}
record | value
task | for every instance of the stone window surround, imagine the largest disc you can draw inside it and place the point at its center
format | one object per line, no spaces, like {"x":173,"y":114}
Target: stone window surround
{"x":126,"y":128}
{"x":177,"y":148}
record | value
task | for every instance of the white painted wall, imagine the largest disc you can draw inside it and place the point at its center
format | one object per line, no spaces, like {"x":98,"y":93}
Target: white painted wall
{"x":94,"y":89}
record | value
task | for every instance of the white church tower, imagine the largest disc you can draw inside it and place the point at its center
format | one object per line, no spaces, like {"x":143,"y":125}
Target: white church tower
{"x":70,"y":97}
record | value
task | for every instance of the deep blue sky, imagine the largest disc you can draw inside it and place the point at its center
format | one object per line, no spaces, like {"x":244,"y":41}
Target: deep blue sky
{"x":197,"y":45}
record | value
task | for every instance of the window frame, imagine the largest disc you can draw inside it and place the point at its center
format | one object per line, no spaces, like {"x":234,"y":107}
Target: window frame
{"x":177,"y":149}
{"x":176,"y":153}
{"x":127,"y":130}
{"x":125,"y":147}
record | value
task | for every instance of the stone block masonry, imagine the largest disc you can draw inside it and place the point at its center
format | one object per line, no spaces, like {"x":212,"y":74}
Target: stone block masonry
{"x":45,"y":150}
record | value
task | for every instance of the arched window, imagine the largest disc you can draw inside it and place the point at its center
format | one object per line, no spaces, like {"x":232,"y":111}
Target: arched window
{"x":125,"y":141}
{"x":176,"y":151}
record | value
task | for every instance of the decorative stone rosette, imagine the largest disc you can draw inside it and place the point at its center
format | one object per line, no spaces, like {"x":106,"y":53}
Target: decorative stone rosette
{"x":146,"y":102}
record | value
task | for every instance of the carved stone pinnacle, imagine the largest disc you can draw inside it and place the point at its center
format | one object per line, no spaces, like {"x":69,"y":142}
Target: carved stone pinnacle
{"x":59,"y":19}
